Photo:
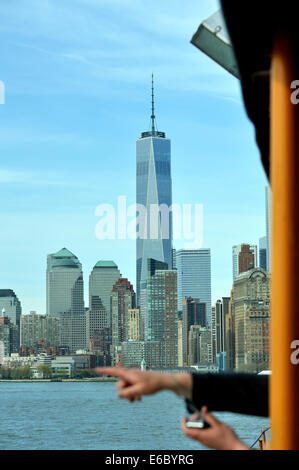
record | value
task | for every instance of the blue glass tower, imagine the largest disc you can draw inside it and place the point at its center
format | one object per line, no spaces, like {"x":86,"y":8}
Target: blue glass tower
{"x":153,"y":187}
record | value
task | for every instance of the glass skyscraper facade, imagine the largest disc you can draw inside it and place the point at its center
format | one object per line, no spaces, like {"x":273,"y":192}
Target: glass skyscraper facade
{"x":194,"y":276}
{"x":153,"y":189}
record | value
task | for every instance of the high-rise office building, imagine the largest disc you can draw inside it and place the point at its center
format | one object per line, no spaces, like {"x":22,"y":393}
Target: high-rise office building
{"x":263,"y":253}
{"x":251,"y":320}
{"x":153,"y":190}
{"x":64,"y":284}
{"x":101,"y":280}
{"x":268,"y":226}
{"x":122,"y":299}
{"x":244,"y":258}
{"x":161,"y":312}
{"x":11,"y":304}
{"x":194,"y":276}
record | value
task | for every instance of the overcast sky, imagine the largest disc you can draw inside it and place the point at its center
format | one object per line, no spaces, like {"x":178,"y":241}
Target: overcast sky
{"x":77,"y":77}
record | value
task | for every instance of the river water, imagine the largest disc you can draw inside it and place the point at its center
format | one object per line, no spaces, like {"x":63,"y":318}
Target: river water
{"x":88,"y":415}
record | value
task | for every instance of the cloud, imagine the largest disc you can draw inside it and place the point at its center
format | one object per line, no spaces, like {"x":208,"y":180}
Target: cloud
{"x":86,"y":46}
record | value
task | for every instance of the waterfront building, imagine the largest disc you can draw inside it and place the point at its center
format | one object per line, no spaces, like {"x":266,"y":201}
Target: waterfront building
{"x":104,"y":275}
{"x":11,"y":304}
{"x":194,"y":276}
{"x":133,"y":353}
{"x":122,"y":299}
{"x":64,"y":284}
{"x":153,"y":189}
{"x":161,"y":311}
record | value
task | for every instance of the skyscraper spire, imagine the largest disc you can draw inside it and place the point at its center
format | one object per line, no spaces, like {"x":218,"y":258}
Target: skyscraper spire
{"x":153,"y":106}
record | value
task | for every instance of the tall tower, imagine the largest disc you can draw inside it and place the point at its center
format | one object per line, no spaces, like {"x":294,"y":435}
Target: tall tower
{"x":64,"y":284}
{"x":101,"y":280}
{"x":122,"y":300}
{"x":153,"y":189}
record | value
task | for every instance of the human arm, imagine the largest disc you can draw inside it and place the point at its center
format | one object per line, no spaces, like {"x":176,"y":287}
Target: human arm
{"x":133,"y":383}
{"x":240,"y":392}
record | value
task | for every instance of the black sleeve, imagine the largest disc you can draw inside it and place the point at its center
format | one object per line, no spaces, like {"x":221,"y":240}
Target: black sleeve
{"x":234,"y":392}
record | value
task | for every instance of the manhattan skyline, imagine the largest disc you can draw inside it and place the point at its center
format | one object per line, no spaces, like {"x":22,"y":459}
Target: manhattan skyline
{"x":68,"y":131}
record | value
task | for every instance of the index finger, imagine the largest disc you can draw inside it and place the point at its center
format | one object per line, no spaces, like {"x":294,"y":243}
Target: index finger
{"x":114,"y":371}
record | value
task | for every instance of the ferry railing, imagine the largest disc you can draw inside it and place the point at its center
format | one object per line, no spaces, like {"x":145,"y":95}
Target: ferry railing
{"x":261,"y":440}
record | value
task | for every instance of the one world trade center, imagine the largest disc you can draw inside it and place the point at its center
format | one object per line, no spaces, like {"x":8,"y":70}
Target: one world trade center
{"x":154,"y":196}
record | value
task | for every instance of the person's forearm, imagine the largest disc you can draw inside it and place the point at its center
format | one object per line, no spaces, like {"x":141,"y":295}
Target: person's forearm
{"x":240,"y":392}
{"x":181,"y":384}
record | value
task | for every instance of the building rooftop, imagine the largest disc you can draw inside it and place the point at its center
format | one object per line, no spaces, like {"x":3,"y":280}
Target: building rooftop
{"x":64,"y":253}
{"x":105,"y":264}
{"x":7,"y":293}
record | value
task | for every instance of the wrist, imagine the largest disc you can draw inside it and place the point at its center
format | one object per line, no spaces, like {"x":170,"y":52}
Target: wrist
{"x":180,"y":384}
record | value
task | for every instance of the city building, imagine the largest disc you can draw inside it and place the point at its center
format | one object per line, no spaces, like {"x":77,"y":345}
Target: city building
{"x":99,"y":344}
{"x":180,"y":342}
{"x":122,"y":299}
{"x":194,"y":312}
{"x":133,"y":353}
{"x":244,"y":258}
{"x":64,"y":284}
{"x":104,"y":275}
{"x":72,"y":331}
{"x":11,"y":304}
{"x":9,"y":335}
{"x":200,"y":345}
{"x":96,"y":320}
{"x":251,"y":320}
{"x":37,"y":328}
{"x":263,"y":253}
{"x":153,"y":190}
{"x":134,"y":324}
{"x":161,"y":311}
{"x":220,"y":312}
{"x":194,"y":276}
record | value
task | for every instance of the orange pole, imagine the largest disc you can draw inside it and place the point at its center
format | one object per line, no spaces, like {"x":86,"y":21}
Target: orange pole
{"x":260,"y":445}
{"x":264,"y":439}
{"x":284,"y":382}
